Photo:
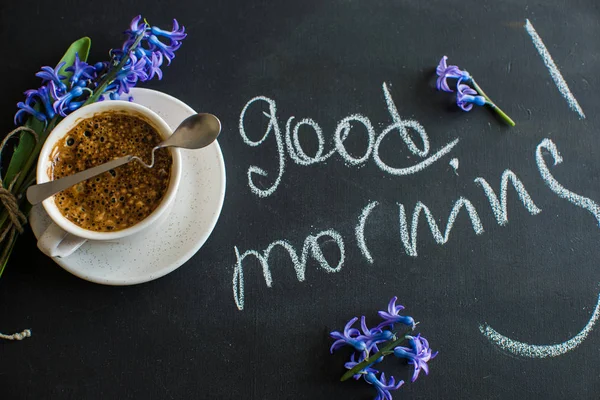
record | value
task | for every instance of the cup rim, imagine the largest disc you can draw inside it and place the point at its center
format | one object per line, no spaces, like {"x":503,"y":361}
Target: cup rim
{"x":71,"y":121}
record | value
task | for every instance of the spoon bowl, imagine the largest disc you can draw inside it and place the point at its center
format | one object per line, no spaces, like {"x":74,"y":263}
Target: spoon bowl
{"x":194,"y":132}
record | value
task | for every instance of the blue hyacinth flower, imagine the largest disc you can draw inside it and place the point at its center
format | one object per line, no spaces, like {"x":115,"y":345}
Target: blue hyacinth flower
{"x":391,"y":316}
{"x":49,"y":74}
{"x":383,"y":388}
{"x":175,"y":34}
{"x":350,"y":337}
{"x":445,"y":71}
{"x":418,"y":354}
{"x":41,"y":96}
{"x":374,"y":336}
{"x":81,"y":69}
{"x":466,"y":97}
{"x":142,"y":64}
{"x":136,"y":28}
{"x":25,"y":110}
{"x":167,"y":50}
{"x":352,"y":363}
{"x":153,"y":68}
{"x":62,"y":104}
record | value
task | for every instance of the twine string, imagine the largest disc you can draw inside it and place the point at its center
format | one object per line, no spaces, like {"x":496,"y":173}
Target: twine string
{"x":16,"y":218}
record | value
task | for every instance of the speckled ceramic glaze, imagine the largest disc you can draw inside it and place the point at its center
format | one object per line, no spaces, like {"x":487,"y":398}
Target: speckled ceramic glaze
{"x":172,"y":241}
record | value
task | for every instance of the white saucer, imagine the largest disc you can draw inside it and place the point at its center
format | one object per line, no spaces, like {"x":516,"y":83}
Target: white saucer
{"x":166,"y":247}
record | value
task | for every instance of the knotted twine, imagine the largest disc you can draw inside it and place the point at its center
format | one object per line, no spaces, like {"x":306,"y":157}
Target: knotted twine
{"x":16,"y":218}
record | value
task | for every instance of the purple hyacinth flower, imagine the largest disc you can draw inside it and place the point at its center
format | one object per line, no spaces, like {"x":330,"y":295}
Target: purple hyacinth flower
{"x":133,"y":71}
{"x":81,"y":69}
{"x":383,"y":388}
{"x":445,"y":71}
{"x":52,"y":75}
{"x":352,"y":363}
{"x":167,"y":50}
{"x":153,"y":67}
{"x":176,"y":34}
{"x":466,"y":97}
{"x":127,"y":77}
{"x":101,"y":67}
{"x":41,"y":96}
{"x":25,"y":110}
{"x":144,"y":62}
{"x":62,"y":102}
{"x":136,"y":28}
{"x":374,"y":336}
{"x":392,"y":317}
{"x":141,"y":52}
{"x":418,"y":354}
{"x":350,"y":337}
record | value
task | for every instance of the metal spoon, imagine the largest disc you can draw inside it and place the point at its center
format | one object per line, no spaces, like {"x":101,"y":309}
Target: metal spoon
{"x":195,"y":132}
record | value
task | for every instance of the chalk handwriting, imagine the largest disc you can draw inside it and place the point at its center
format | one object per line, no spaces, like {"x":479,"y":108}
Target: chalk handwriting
{"x":557,"y":77}
{"x":360,"y":231}
{"x":499,"y":206}
{"x":540,"y":351}
{"x":410,"y":239}
{"x":311,"y":248}
{"x":551,"y":350}
{"x":273,"y":126}
{"x":408,"y":234}
{"x":291,"y":142}
{"x":560,"y":190}
{"x":454,"y":164}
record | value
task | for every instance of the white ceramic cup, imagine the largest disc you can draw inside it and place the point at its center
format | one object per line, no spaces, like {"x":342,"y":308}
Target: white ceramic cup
{"x":63,"y":237}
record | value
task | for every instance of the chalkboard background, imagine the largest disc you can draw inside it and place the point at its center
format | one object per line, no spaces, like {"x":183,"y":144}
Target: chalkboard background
{"x":536,"y":279}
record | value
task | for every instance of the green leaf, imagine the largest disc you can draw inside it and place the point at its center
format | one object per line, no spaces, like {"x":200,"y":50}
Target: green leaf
{"x":11,"y":246}
{"x":26,"y":143}
{"x":82,"y":48}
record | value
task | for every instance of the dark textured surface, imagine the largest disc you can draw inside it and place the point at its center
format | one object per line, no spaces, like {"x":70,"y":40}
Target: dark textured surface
{"x":534,"y":279}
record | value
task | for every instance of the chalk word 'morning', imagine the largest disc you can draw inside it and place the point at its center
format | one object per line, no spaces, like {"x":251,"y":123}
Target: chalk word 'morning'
{"x":419,"y":148}
{"x":311,"y":247}
{"x":550,"y":350}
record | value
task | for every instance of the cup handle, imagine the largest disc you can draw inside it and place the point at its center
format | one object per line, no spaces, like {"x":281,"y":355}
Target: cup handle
{"x":55,"y":242}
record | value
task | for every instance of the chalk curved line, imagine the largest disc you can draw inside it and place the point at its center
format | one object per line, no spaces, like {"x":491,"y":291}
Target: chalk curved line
{"x":540,"y":351}
{"x":360,"y":230}
{"x":415,"y":168}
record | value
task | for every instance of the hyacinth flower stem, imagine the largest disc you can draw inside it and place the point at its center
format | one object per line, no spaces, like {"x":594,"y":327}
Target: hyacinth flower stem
{"x":110,"y":76}
{"x":21,"y":182}
{"x":493,"y":105}
{"x":27,"y":172}
{"x":19,"y":185}
{"x":384,"y":351}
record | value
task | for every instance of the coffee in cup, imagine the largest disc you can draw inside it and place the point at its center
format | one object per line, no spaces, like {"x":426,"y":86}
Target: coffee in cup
{"x":122,"y":197}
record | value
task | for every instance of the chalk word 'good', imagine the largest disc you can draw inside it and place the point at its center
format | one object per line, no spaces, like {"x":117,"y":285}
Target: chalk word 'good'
{"x":419,"y":148}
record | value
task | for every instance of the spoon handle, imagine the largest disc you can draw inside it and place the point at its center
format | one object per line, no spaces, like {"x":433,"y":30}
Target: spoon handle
{"x":38,"y":193}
